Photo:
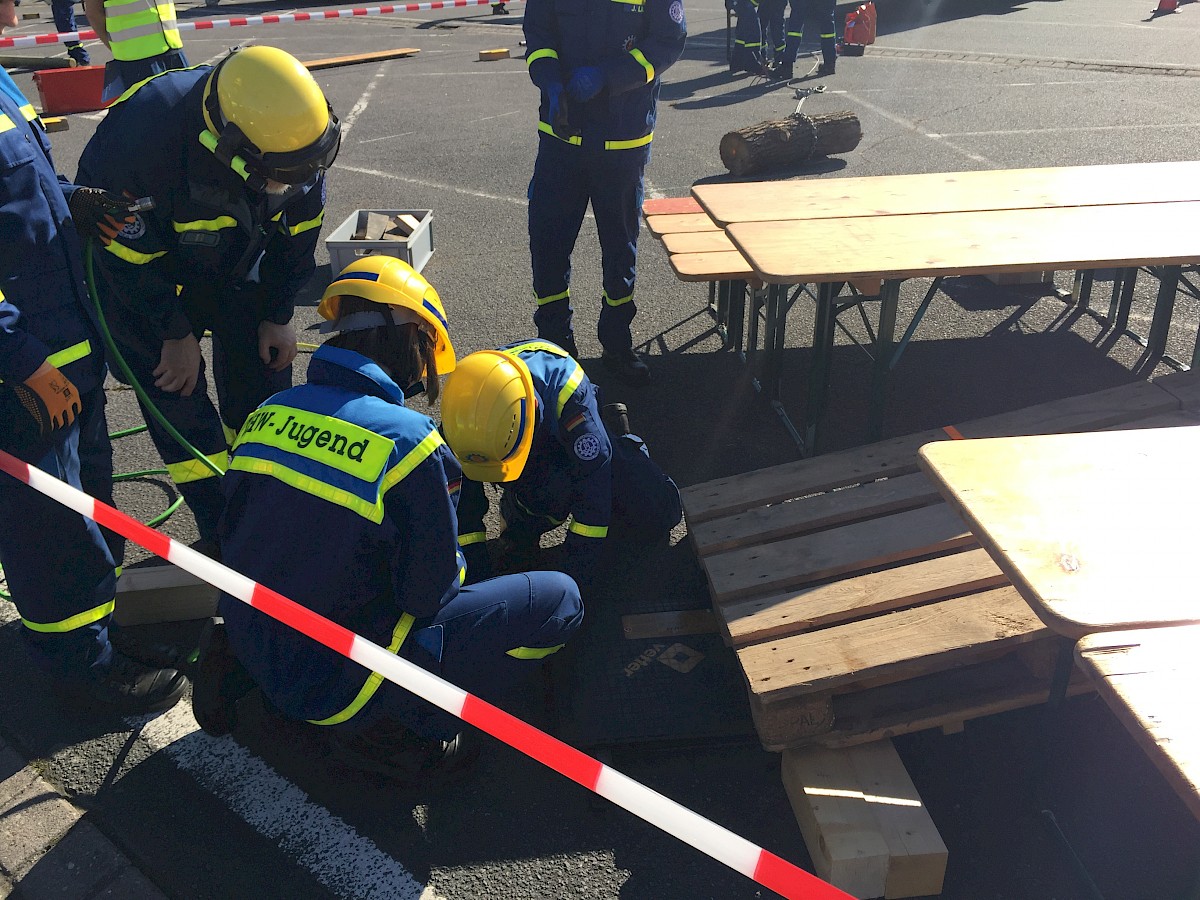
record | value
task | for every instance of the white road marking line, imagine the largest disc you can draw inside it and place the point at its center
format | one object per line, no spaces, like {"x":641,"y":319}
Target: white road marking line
{"x":385,"y":138}
{"x":436,"y":185}
{"x":1073,"y":128}
{"x":361,"y":106}
{"x":334,"y":853}
{"x":500,"y":116}
{"x":916,"y":129}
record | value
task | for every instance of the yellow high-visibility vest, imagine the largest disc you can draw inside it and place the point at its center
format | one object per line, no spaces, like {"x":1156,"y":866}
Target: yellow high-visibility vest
{"x":139,"y":29}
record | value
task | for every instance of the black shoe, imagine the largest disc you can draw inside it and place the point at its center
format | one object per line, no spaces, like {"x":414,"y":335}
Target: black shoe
{"x":128,"y":688}
{"x":80,"y":55}
{"x":756,"y":68}
{"x":395,"y":752}
{"x":782,"y":72}
{"x":221,"y":681}
{"x":499,"y":10}
{"x":616,"y":418}
{"x":825,"y":69}
{"x":627,"y":364}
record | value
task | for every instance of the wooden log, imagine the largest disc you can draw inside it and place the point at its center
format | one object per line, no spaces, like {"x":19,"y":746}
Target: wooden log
{"x":787,"y":142}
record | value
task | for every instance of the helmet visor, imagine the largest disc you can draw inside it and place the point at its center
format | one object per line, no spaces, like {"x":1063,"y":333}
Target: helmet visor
{"x":299,"y":166}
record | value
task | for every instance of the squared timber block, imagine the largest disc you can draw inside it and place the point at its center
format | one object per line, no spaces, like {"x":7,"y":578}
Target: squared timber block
{"x":163,"y":593}
{"x":864,"y":823}
{"x":498,"y":53}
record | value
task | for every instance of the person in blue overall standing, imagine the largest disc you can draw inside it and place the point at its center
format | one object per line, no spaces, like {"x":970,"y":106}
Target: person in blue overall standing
{"x":526,"y":417}
{"x":234,"y":157}
{"x":748,"y":55}
{"x":598,"y":64}
{"x":341,"y":467}
{"x":59,"y":566}
{"x":63,"y":12}
{"x":824,"y":12}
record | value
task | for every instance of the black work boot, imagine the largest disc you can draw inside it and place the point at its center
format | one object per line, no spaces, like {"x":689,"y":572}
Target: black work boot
{"x":128,"y":688}
{"x":616,"y":418}
{"x":395,"y":752}
{"x":221,"y":681}
{"x":627,"y":364}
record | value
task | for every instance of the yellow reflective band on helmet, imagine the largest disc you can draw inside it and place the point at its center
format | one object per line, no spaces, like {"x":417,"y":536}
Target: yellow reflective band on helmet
{"x":70,"y":354}
{"x":308,"y":225}
{"x":326,"y":440}
{"x":533,"y":652}
{"x":77,"y":621}
{"x":611,"y":302}
{"x":588,"y":531}
{"x":546,"y":129}
{"x":374,"y":680}
{"x":544,"y":53}
{"x":474,"y":537}
{"x":637,"y":54}
{"x":538,"y":345}
{"x":542,"y":301}
{"x":120,"y":251}
{"x":630,"y":144}
{"x":194,"y":470}
{"x":205,"y":224}
{"x":570,"y":387}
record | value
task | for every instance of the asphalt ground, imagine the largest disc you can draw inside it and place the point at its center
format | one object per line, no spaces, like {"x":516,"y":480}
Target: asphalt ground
{"x":948,"y":86}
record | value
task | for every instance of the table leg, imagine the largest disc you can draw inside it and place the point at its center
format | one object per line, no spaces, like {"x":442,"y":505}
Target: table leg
{"x":819,"y":366}
{"x":756,"y":304}
{"x":1081,"y":293}
{"x":1120,"y":324}
{"x":737,"y":314}
{"x":1164,"y":308}
{"x":889,"y":300}
{"x":773,"y":340}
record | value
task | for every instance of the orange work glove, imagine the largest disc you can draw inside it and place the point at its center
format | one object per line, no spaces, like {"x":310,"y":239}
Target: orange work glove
{"x":49,"y":396}
{"x":99,"y":214}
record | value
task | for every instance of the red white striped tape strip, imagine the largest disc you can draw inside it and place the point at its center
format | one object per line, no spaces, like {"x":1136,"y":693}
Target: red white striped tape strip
{"x":285,"y":19}
{"x":721,"y":844}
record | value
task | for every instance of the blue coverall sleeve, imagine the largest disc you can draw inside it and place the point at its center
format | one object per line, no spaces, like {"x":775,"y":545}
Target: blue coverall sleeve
{"x":542,"y":43}
{"x":472,"y":533}
{"x":427,"y":567}
{"x":653,"y":53}
{"x":21,"y":354}
{"x":290,"y":257}
{"x":581,"y":433}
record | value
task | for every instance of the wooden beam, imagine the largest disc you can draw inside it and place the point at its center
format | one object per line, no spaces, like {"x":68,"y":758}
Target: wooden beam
{"x":333,"y":62}
{"x":15,"y":61}
{"x":56,"y":123}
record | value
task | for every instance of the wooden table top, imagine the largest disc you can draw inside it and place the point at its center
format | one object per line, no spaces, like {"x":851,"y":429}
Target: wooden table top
{"x":1149,"y":678}
{"x":1096,"y":530}
{"x":970,"y":243}
{"x":890,"y":195}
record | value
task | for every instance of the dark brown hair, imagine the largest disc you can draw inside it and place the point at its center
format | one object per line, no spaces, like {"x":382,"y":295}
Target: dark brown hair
{"x":404,"y":351}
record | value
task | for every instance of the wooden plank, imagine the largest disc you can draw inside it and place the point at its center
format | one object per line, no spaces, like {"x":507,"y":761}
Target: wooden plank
{"x":789,"y":563}
{"x":916,"y":852}
{"x":1149,"y":680}
{"x":698,"y":242}
{"x":668,"y":206}
{"x":668,"y":624}
{"x":498,"y":53}
{"x":891,"y":195}
{"x":331,"y":62}
{"x":710,"y":266}
{"x":787,"y":519}
{"x":162,"y":593}
{"x":55,"y":124}
{"x":971,"y":243}
{"x":839,"y":829}
{"x":892,"y":647}
{"x":971,"y":692}
{"x":767,"y":618}
{"x":679,"y":223}
{"x":737,"y":493}
{"x":17,"y":61}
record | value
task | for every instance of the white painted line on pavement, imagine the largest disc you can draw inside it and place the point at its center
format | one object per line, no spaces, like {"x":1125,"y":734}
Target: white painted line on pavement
{"x":917,"y":129}
{"x":361,"y":106}
{"x":1131,"y":127}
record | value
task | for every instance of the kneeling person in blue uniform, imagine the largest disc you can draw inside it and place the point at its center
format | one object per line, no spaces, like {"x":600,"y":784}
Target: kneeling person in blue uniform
{"x":527,"y":416}
{"x":343,"y":498}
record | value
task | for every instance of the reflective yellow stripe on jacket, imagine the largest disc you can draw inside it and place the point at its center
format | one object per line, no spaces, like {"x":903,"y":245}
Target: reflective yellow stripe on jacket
{"x":374,"y":680}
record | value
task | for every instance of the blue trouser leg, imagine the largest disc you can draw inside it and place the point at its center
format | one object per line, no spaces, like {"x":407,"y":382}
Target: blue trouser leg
{"x":96,"y":466}
{"x":242,"y":381}
{"x":747,"y":37}
{"x":64,"y":18}
{"x":646,"y":501}
{"x":617,"y":189}
{"x":558,"y":198}
{"x":488,"y":640}
{"x":828,"y":19}
{"x":770,"y":16}
{"x":57,"y":563}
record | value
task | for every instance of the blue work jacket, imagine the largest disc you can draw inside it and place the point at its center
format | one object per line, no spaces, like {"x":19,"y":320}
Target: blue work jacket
{"x":45,"y":313}
{"x":569,"y":470}
{"x":343,"y":499}
{"x":209,"y":232}
{"x":631,"y":41}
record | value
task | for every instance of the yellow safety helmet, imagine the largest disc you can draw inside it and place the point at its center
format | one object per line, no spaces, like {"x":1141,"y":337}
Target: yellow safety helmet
{"x":265,"y":109}
{"x":488,"y":415}
{"x":392,"y":282}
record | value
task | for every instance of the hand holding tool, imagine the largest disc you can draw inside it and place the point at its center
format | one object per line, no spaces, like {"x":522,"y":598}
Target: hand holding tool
{"x":99,"y":214}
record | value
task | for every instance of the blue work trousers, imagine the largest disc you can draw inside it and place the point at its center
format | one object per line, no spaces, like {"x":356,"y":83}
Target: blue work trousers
{"x":242,"y":383}
{"x":770,"y":17}
{"x":64,"y":19}
{"x":59,"y":566}
{"x":824,"y":14}
{"x":565,"y":179}
{"x":747,"y":38}
{"x":469,"y":642}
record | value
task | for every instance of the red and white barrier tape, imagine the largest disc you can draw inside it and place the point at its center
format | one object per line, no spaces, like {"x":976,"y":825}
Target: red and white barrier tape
{"x":35,"y":40}
{"x":721,"y":844}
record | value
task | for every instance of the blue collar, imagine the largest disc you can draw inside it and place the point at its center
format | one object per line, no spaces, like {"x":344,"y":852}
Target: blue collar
{"x":353,"y":371}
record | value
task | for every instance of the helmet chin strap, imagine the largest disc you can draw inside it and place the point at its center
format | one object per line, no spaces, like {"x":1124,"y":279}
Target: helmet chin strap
{"x":361,"y":321}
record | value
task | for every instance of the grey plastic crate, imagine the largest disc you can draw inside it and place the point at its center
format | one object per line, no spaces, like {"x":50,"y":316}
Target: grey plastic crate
{"x":415,"y":250}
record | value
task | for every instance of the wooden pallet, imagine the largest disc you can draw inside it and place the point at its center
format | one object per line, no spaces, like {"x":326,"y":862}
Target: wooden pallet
{"x":859,"y":603}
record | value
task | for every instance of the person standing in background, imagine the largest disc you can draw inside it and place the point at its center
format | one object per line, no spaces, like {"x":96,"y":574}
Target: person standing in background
{"x":142,"y":36}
